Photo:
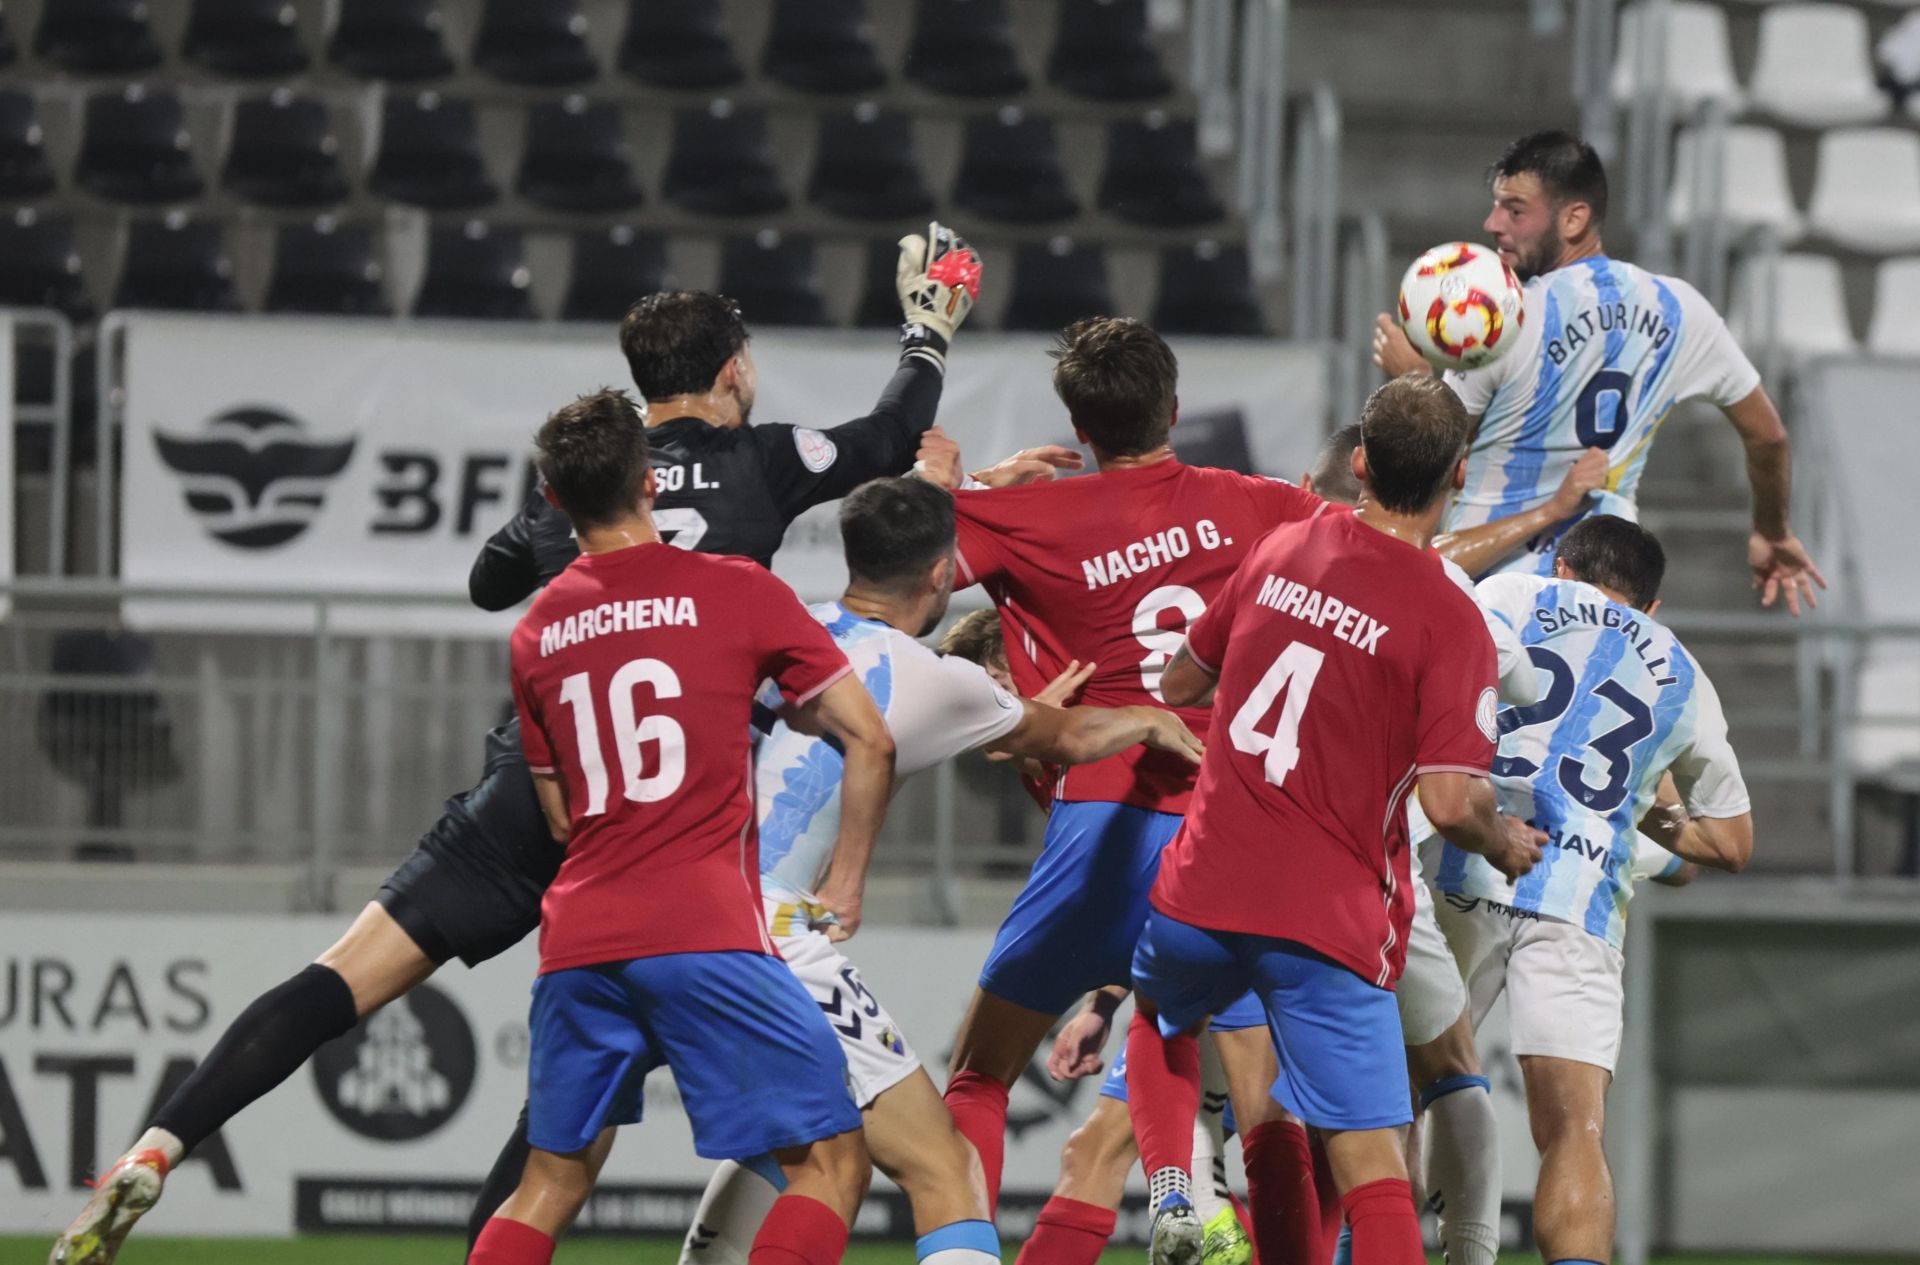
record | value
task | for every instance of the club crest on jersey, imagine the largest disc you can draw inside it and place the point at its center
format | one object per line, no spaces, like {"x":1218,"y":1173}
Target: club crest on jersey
{"x":817,"y":452}
{"x":1486,"y":714}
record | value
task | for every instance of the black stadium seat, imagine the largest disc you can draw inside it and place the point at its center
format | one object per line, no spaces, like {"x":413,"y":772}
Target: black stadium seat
{"x":40,"y":265}
{"x":245,"y":38}
{"x":1010,"y":170}
{"x":678,"y":44}
{"x":964,"y":48}
{"x":879,"y":298}
{"x":476,"y":272}
{"x":865,"y":167}
{"x":535,"y":42}
{"x":430,"y":154}
{"x":284,"y":152}
{"x":773,"y":279}
{"x":176,"y":263}
{"x":612,"y":270}
{"x":1205,"y":288}
{"x":390,"y":39}
{"x":1153,"y":175}
{"x":722,"y":162}
{"x":1101,"y":50}
{"x":577,"y":158}
{"x":822,"y":46}
{"x":24,"y":170}
{"x":9,"y":50}
{"x":135,"y":148}
{"x":326,"y":268}
{"x":96,"y":37}
{"x":1056,"y":283}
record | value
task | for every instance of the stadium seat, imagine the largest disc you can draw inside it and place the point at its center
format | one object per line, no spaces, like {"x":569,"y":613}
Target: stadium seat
{"x":430,"y":154}
{"x":96,"y":37}
{"x":40,"y":265}
{"x":773,"y":279}
{"x":1866,"y":189}
{"x":1754,"y":172}
{"x":822,"y":46}
{"x":577,"y":158}
{"x":1010,"y":170}
{"x":611,"y":271}
{"x":535,"y":42}
{"x":1699,"y":56}
{"x":178,"y":264}
{"x":476,"y":272}
{"x":1895,"y":328}
{"x":678,"y":44}
{"x":879,"y":298}
{"x":722,"y":162}
{"x":9,"y":50}
{"x":326,"y":268}
{"x":390,"y":39}
{"x":964,"y":48}
{"x":24,"y":170}
{"x":135,"y":148}
{"x":1798,"y":301}
{"x":110,"y":741}
{"x":245,"y":38}
{"x":1101,"y":50}
{"x":1206,"y":288}
{"x":1813,"y":68}
{"x":1056,"y":283}
{"x":865,"y":168}
{"x":284,"y":152}
{"x":1153,"y":174}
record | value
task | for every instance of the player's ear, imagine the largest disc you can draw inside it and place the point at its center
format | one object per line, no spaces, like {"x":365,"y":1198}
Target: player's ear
{"x":1459,"y":479}
{"x":1653,"y":607}
{"x":1174,"y":420}
{"x":1357,"y":462}
{"x":1575,"y":219}
{"x":649,"y":489}
{"x":940,"y":579}
{"x":1306,"y":481}
{"x":1561,"y":572}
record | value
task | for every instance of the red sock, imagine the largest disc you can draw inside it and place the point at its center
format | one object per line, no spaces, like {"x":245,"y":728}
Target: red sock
{"x":504,"y":1242}
{"x":1246,"y":1225}
{"x":1286,"y":1211}
{"x":1332,"y":1215}
{"x":978,"y":1105}
{"x":1163,"y":1095}
{"x":799,"y":1231}
{"x":1068,"y":1232}
{"x":1386,"y":1230}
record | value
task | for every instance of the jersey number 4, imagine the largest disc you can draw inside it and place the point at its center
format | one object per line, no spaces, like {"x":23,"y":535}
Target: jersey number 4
{"x":1614,"y":746}
{"x":631,"y":734}
{"x":1294,"y":672}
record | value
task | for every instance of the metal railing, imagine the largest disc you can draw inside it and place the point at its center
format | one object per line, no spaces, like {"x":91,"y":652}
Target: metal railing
{"x":56,"y":413}
{"x":1263,"y":108}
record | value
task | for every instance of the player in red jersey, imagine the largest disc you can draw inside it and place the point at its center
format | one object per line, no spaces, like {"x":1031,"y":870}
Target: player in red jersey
{"x":634,"y":674}
{"x":1346,"y":668}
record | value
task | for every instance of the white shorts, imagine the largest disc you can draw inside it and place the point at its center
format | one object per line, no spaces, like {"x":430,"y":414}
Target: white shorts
{"x":1563,"y":984}
{"x":1431,"y":993}
{"x":878,"y":1056}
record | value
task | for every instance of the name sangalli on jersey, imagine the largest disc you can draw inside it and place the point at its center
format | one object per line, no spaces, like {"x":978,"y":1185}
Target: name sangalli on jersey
{"x":634,"y":615}
{"x":1606,"y":615}
{"x":1605,"y":318}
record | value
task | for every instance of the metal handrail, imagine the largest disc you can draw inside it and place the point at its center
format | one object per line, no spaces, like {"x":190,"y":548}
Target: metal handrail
{"x":1592,"y":72}
{"x":1365,"y":289}
{"x":57,"y":414}
{"x":1316,"y":214}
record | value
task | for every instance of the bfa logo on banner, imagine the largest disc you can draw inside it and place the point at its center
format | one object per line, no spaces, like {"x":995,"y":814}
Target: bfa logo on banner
{"x":404,"y":1072}
{"x":254,"y":480}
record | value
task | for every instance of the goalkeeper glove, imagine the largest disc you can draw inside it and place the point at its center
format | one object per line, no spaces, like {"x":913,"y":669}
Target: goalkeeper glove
{"x":938,"y":279}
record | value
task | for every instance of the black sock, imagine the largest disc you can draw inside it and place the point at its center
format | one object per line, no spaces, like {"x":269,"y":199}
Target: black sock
{"x":264,"y":1046}
{"x":502,"y":1181}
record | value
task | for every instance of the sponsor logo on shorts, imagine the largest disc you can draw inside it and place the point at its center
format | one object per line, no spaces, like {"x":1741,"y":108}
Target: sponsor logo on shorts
{"x":1467,"y":904}
{"x":817,"y":452}
{"x":404,"y":1072}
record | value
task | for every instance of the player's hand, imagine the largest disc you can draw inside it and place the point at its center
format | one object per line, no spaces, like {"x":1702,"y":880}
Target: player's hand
{"x":1393,"y":352}
{"x":845,"y":908}
{"x":937,"y":279}
{"x":1030,"y":465}
{"x":1076,"y":1051}
{"x":1066,"y":685}
{"x":938,"y":460}
{"x":1170,"y":733}
{"x":1518,"y":849}
{"x":1588,"y":475}
{"x":1781,"y":568}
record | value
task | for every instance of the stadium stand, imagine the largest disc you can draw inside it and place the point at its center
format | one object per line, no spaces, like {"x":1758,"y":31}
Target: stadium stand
{"x":1057,"y":282}
{"x":1813,"y":68}
{"x":577,"y":158}
{"x":1010,"y":170}
{"x":773,"y":274}
{"x":538,"y":42}
{"x":822,"y":46}
{"x":179,"y":264}
{"x":97,"y":36}
{"x":137,"y":147}
{"x":430,"y":154}
{"x":245,"y":38}
{"x":679,"y":44}
{"x":390,"y":40}
{"x":326,"y":268}
{"x":24,"y":169}
{"x":866,"y":167}
{"x":284,"y":152}
{"x":964,"y":48}
{"x":722,"y":162}
{"x":609,"y":268}
{"x":1206,"y":289}
{"x":476,"y":271}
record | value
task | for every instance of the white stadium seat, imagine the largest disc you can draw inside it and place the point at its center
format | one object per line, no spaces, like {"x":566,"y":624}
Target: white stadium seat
{"x":1798,"y":299}
{"x":1814,"y":67}
{"x":1755,"y":172}
{"x":1866,"y":190}
{"x":1895,"y":330}
{"x":1699,"y":60}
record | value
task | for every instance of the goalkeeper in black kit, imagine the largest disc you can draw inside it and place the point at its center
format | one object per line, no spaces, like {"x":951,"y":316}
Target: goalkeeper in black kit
{"x":472,"y":887}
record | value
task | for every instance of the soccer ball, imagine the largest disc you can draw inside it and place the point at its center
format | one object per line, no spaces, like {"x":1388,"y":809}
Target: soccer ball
{"x":1461,"y":306}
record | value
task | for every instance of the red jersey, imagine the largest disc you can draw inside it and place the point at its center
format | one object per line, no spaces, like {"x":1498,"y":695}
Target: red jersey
{"x":1349,"y":663}
{"x":1111,"y":568}
{"x":634,"y":673}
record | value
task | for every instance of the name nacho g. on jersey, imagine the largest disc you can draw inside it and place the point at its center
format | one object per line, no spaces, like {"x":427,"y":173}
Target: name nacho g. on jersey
{"x":634,"y":615}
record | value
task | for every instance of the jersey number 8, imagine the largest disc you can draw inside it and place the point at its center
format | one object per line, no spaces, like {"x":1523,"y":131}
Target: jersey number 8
{"x":630,"y":735}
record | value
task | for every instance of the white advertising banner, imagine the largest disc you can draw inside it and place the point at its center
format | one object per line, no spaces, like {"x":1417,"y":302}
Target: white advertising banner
{"x":268,"y":454}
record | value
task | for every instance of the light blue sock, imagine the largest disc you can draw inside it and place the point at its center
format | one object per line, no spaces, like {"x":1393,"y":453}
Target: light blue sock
{"x":1343,"y":1250}
{"x":959,"y":1243}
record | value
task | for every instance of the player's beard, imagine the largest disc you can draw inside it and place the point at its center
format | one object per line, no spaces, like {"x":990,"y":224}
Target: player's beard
{"x":1540,"y":258}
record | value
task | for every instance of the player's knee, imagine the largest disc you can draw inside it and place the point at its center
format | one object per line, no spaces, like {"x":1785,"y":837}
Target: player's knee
{"x":1448,"y":1055}
{"x":1101,"y":1145}
{"x":844,"y":1163}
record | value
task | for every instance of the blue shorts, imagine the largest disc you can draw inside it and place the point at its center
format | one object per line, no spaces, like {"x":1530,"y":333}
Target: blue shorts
{"x":757,"y":1067}
{"x":1343,"y":1064}
{"x":1073,"y":927}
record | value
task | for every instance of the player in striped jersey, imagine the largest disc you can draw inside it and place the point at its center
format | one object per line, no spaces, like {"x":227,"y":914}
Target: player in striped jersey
{"x":1622,"y":704}
{"x":1606,"y":352}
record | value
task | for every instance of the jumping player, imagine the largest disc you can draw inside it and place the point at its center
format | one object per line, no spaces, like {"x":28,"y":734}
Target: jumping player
{"x":1606,"y":352}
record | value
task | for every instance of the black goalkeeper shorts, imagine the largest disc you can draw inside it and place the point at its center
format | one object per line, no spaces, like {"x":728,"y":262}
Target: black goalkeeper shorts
{"x":471,"y":888}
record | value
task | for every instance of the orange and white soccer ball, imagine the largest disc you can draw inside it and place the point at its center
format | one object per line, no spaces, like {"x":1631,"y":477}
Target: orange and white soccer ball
{"x":1461,"y":306}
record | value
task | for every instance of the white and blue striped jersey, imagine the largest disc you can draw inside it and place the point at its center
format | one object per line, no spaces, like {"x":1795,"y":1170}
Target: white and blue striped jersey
{"x":1621,"y":703}
{"x":1606,"y":352}
{"x":936,"y":706}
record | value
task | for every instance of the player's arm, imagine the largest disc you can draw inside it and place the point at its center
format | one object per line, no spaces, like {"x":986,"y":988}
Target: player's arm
{"x":1187,"y":682}
{"x":1781,"y":566}
{"x":1477,"y":550}
{"x":938,"y":461}
{"x":1081,"y":735}
{"x":553,"y":806}
{"x":1718,"y":829}
{"x":845,"y":712}
{"x":1076,"y":1051}
{"x":1659,"y":827}
{"x":1461,"y":807}
{"x":504,"y":573}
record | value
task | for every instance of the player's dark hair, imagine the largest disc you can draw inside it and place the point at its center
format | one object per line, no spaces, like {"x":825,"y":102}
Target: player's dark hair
{"x":1413,"y":430}
{"x":895,"y":529}
{"x":1333,"y":469}
{"x":1615,"y":554}
{"x":1117,"y":378}
{"x":976,"y":637}
{"x":593,"y":454}
{"x":1566,"y":167}
{"x":677,"y":341}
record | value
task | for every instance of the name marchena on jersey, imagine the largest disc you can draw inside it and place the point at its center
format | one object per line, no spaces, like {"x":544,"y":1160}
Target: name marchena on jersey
{"x":1552,"y":619}
{"x":1311,"y":606}
{"x":1604,"y":318}
{"x":1150,"y":553}
{"x":633,"y":615}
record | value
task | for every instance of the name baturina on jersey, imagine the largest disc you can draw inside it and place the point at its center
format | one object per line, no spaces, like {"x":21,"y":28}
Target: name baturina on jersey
{"x":634,"y":615}
{"x":1553,"y":619}
{"x":1605,"y":318}
{"x":1151,"y":553}
{"x":1311,"y":606}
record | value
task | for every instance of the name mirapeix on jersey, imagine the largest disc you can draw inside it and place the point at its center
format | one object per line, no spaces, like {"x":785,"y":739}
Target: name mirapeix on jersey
{"x":1606,"y":352}
{"x":1621,"y":703}
{"x":936,"y":707}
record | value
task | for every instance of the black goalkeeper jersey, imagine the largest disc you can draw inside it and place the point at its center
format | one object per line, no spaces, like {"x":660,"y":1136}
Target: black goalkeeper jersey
{"x":727,"y":491}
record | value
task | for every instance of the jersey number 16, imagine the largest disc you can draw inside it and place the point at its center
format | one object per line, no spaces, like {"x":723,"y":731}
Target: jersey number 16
{"x":631,"y":733}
